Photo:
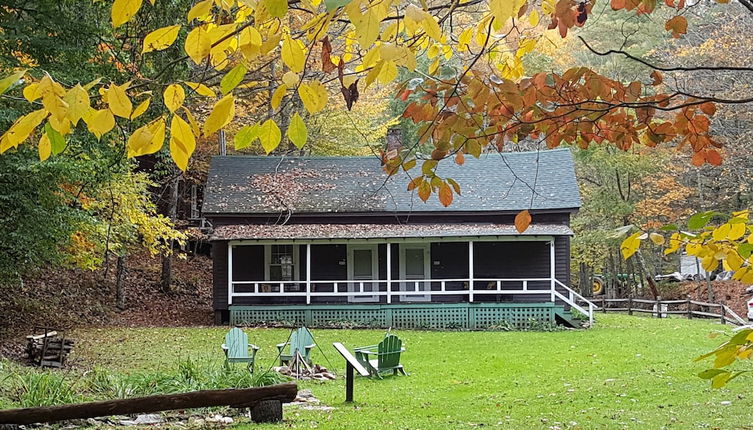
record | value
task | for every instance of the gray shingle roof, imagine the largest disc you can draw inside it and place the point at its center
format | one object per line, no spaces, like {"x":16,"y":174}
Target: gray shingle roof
{"x":379,"y":231}
{"x":494,"y":182}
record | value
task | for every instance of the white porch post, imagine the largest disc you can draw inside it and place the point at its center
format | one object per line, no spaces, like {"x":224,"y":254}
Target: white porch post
{"x":229,"y":274}
{"x":389,"y":272}
{"x":552,"y":272}
{"x":470,"y":271}
{"x":308,"y":273}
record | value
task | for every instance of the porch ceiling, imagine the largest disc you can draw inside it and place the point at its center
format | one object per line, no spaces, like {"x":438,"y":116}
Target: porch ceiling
{"x":379,"y":231}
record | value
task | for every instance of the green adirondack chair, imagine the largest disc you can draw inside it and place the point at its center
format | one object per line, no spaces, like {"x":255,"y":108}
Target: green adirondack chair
{"x":300,"y":341}
{"x":238,"y":350}
{"x":387,"y":355}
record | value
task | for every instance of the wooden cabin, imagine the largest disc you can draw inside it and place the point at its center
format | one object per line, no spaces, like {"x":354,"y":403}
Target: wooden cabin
{"x":325,"y":240}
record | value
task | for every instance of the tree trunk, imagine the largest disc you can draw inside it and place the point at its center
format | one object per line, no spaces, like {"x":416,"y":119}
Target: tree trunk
{"x":120,"y":273}
{"x":267,"y":411}
{"x":584,"y":280}
{"x":167,"y":259}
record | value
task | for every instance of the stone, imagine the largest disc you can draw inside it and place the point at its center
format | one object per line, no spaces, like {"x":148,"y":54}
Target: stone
{"x":145,"y":419}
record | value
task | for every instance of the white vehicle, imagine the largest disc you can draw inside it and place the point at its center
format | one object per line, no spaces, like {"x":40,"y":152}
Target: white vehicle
{"x":749,"y":290}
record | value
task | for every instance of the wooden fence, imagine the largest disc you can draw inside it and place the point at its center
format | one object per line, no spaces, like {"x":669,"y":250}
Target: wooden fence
{"x":662,"y":308}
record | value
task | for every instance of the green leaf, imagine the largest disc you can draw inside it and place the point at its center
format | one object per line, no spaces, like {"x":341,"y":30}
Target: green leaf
{"x":246,"y":136}
{"x":710,"y":373}
{"x":8,"y":82}
{"x":745,"y":250}
{"x":269,"y":136}
{"x":699,"y":220}
{"x":57,"y":141}
{"x":334,"y":4}
{"x":669,"y":227}
{"x":233,"y":78}
{"x":720,"y":380}
{"x":297,"y":132}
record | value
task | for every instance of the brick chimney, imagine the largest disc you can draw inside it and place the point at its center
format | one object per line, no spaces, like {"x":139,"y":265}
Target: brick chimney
{"x":393,"y":142}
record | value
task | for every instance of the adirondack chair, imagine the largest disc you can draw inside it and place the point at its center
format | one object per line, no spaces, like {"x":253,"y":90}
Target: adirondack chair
{"x":301,"y":341}
{"x":387,"y":356}
{"x":238,"y":350}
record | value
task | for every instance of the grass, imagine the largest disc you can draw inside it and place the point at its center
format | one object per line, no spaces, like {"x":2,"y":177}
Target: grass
{"x":627,"y":372}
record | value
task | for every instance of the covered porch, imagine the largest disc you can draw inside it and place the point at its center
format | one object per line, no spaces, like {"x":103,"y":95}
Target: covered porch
{"x":449,"y":270}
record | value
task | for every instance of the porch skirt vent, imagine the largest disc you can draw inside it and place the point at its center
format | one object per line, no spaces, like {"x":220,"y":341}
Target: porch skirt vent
{"x":473,"y":316}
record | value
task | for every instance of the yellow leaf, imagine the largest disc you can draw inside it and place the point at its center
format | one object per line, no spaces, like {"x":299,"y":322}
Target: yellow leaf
{"x":276,"y":8}
{"x":630,"y":245}
{"x":182,"y":142}
{"x":160,"y":38}
{"x":277,"y":96}
{"x":434,"y":67}
{"x":78,"y":102}
{"x":720,"y":233}
{"x":198,"y":44}
{"x":99,"y":122}
{"x":158,"y":138}
{"x":297,"y":132}
{"x":200,"y":10}
{"x":737,"y":230}
{"x":656,"y":238}
{"x":138,"y":139}
{"x":123,"y":10}
{"x":118,"y":100}
{"x":7,"y":82}
{"x":22,"y":128}
{"x":191,"y":120}
{"x":45,"y":148}
{"x":174,"y":96}
{"x":290,"y":79}
{"x":368,"y":26}
{"x":313,"y":95}
{"x":250,"y":36}
{"x":465,"y":37}
{"x":503,"y":10}
{"x":388,"y":72}
{"x":431,"y":27}
{"x":31,"y":92}
{"x":533,"y":18}
{"x":140,"y":109}
{"x":201,"y":89}
{"x":269,"y":135}
{"x":293,"y":54}
{"x":222,"y":113}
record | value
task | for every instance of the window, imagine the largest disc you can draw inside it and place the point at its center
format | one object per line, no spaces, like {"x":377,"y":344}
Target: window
{"x":281,"y":263}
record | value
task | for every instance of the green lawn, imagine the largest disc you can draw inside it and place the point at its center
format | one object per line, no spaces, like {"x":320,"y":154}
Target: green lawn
{"x":627,"y":372}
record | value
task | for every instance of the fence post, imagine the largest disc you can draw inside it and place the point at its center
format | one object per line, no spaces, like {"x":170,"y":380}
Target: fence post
{"x":603,"y":305}
{"x":630,"y":305}
{"x":722,"y":312}
{"x":690,"y":308}
{"x":658,"y":306}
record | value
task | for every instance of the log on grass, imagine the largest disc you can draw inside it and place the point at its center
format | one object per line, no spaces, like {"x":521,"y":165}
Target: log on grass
{"x":238,"y":398}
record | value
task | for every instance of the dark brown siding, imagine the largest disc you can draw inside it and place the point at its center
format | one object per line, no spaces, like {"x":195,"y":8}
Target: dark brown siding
{"x":219,"y":274}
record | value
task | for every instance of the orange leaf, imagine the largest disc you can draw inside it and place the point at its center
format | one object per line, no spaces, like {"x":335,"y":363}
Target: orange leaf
{"x":522,"y":221}
{"x":415,"y":182}
{"x":709,"y":108}
{"x":698,"y":159}
{"x":459,"y":158}
{"x":445,"y":194}
{"x":714,"y":157}
{"x":677,"y":25}
{"x":657,"y":77}
{"x":424,"y":191}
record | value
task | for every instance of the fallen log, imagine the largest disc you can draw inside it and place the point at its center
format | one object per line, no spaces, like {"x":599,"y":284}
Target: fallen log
{"x":237,"y":398}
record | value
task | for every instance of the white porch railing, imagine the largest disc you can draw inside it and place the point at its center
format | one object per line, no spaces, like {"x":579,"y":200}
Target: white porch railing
{"x":416,"y":290}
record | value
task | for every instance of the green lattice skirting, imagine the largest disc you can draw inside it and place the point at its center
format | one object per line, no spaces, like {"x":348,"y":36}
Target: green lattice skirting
{"x":473,"y":316}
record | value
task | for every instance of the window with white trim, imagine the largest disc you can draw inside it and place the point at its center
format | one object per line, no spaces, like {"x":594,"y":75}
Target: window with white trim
{"x":282,"y":263}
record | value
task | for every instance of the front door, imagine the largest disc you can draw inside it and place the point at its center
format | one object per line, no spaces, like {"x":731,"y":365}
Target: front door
{"x":363,"y":265}
{"x":414,"y":271}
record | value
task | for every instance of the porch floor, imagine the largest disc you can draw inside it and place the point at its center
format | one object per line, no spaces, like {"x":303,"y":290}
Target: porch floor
{"x":469,"y":316}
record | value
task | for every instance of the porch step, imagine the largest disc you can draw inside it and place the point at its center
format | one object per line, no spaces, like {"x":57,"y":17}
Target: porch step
{"x":468,"y":316}
{"x":565,"y":317}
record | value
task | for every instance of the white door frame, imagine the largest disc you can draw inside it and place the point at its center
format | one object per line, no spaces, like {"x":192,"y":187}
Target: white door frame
{"x":374,"y":248}
{"x":426,"y":247}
